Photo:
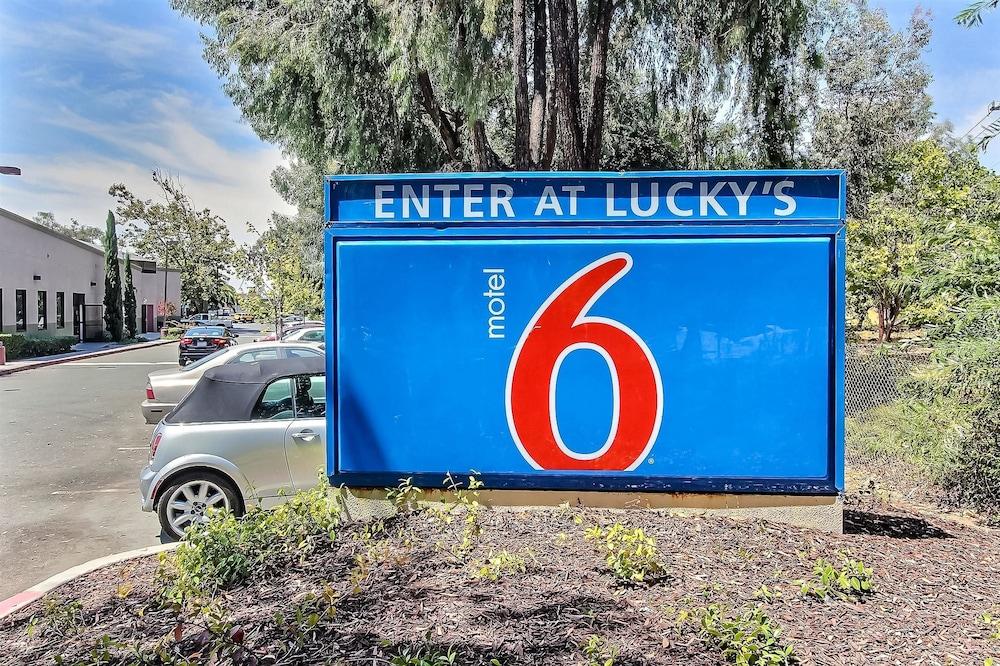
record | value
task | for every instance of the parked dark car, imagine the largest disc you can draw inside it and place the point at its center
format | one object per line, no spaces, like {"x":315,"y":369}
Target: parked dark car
{"x":201,"y":341}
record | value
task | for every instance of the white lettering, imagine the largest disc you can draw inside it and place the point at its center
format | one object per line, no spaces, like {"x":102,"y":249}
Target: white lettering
{"x":654,"y":200}
{"x":549,"y":201}
{"x":497,"y":199}
{"x":779,"y":194}
{"x":495,"y":307}
{"x":707,"y":198}
{"x":744,"y":196}
{"x":572,"y":191}
{"x":381,"y":201}
{"x":446,"y":190}
{"x":610,"y":202}
{"x":471,"y":199}
{"x":421,"y":204}
{"x":672,"y":196}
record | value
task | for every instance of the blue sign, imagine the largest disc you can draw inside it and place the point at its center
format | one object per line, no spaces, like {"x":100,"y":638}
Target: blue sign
{"x":567,"y":346}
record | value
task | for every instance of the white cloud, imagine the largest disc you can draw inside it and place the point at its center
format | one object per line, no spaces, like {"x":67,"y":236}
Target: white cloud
{"x":233,"y":182}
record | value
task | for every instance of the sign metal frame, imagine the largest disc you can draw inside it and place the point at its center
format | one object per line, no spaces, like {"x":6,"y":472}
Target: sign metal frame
{"x":831,"y":227}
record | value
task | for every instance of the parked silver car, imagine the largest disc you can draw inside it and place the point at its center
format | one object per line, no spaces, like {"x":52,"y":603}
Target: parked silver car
{"x":247,"y":433}
{"x":306,"y":334}
{"x":165,"y":388}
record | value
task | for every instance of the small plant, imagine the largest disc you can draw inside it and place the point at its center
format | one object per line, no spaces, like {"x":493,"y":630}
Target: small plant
{"x":852,"y":580}
{"x":992,"y":625}
{"x":599,"y":652}
{"x":466,"y":499}
{"x":424,"y":656}
{"x":303,"y":623}
{"x":766,"y":594}
{"x":405,"y":497}
{"x":57,"y":618}
{"x":503,"y":563}
{"x":630,"y":555}
{"x":747,"y":639}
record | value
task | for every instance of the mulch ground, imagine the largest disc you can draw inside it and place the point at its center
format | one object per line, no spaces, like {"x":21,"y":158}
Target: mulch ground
{"x":934,"y":580}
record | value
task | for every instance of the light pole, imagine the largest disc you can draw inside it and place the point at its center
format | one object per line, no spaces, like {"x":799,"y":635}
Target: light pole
{"x":10,"y":171}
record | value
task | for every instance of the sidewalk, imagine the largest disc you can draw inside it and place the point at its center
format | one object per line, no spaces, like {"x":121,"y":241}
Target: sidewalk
{"x":81,"y":350}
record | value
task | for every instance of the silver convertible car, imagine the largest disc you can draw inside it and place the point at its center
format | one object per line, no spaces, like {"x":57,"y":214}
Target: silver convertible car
{"x":248,"y":433}
{"x":165,"y":388}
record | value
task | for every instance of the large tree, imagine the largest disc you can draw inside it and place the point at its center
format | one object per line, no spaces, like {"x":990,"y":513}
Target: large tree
{"x":81,"y":232}
{"x":179,"y":235}
{"x":872,"y":99}
{"x":402,"y":85}
{"x":112,"y":281}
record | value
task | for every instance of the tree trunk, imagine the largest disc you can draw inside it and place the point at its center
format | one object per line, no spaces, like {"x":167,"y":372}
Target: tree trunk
{"x":521,"y":149}
{"x":567,"y":86}
{"x":536,"y":132}
{"x":452,"y":142}
{"x":483,"y":156}
{"x":598,"y":82}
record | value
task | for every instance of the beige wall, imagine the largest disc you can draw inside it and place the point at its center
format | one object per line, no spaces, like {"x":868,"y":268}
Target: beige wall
{"x":65,"y":265}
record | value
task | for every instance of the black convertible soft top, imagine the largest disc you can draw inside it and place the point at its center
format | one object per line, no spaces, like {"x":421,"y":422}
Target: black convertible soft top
{"x":230,"y":392}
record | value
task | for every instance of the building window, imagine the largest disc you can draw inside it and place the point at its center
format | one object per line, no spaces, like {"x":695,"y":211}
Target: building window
{"x":21,"y":310}
{"x":43,"y":306}
{"x":60,"y":310}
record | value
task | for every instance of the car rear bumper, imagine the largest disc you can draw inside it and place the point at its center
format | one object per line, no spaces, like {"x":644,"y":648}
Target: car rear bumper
{"x":153,"y":411}
{"x":194,"y":353}
{"x":146,"y":488}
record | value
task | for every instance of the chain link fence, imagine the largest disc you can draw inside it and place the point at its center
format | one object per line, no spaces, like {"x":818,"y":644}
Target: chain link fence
{"x":872,"y":376}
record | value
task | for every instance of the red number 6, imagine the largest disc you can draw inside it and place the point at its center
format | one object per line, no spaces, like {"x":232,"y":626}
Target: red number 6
{"x":560,"y":327}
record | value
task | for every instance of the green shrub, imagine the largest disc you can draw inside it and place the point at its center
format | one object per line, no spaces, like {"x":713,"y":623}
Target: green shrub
{"x":502,"y":563}
{"x":599,"y":652}
{"x":226,"y":550}
{"x":747,"y":639}
{"x":173,"y":333}
{"x":947,"y":425}
{"x":29,"y":346}
{"x":852,"y":580}
{"x":630,"y":555}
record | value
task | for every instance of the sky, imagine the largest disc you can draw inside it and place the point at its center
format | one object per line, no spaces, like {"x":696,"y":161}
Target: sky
{"x":95,"y":92}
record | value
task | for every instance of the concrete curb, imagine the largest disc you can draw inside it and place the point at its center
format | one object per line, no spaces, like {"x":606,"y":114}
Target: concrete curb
{"x":79,"y":357}
{"x":35,"y":592}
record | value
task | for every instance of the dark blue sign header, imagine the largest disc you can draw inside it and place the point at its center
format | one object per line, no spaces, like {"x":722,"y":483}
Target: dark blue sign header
{"x":731,"y":197}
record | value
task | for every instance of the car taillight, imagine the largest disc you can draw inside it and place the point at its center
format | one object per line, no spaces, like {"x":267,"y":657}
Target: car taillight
{"x":186,"y":341}
{"x":154,"y":444}
{"x":220,"y":342}
{"x":149,"y":392}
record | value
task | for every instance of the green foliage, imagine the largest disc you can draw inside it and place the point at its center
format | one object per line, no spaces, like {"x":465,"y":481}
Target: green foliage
{"x":19,"y":345}
{"x":750,"y":638}
{"x":424,"y":656}
{"x":992,"y":624}
{"x":225,"y":550}
{"x":599,"y":651}
{"x":112,"y":282}
{"x":973,"y":14}
{"x":173,"y":333}
{"x":502,"y":563}
{"x":852,"y":581}
{"x":630,"y":555}
{"x":81,"y":232}
{"x":58,"y":617}
{"x":128,"y":300}
{"x":277,"y":283}
{"x":180,"y":236}
{"x":464,"y":501}
{"x":947,"y":425}
{"x":405,"y":497}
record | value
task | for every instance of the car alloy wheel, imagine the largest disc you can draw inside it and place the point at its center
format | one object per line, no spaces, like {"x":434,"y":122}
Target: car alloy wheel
{"x":189,"y":503}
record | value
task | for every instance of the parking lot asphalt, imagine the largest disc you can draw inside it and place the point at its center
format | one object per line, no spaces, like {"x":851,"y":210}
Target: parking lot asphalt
{"x":72,"y":442}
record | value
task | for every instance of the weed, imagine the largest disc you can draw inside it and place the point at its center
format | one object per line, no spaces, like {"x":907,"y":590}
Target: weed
{"x":746,"y":639}
{"x":992,"y":624}
{"x":466,"y":499}
{"x":503,"y":563}
{"x":424,"y":656}
{"x":405,"y":497}
{"x":57,"y":618}
{"x":852,"y":580}
{"x":766,"y":594}
{"x":630,"y":555}
{"x":227,"y":550}
{"x":599,"y":652}
{"x":302,"y":626}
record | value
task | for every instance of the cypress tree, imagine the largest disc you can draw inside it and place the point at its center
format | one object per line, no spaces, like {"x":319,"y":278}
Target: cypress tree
{"x":112,"y":282}
{"x":128,"y":299}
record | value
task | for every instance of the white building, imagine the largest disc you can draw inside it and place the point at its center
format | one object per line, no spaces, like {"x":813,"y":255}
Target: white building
{"x":53,"y":284}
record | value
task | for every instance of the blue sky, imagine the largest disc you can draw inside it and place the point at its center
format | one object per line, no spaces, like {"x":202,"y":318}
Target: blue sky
{"x":100,"y":91}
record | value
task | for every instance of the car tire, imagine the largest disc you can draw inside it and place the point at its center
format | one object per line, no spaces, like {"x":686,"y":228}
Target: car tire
{"x":182,"y":362}
{"x":197,"y":490}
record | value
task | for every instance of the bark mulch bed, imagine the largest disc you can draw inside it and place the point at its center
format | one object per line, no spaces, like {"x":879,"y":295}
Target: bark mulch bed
{"x":934,"y":580}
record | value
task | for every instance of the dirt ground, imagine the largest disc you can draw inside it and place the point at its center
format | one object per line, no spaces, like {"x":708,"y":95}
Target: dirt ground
{"x":934,"y":579}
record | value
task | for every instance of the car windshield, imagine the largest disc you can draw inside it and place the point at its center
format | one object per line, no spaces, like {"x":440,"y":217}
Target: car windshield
{"x":207,"y":330}
{"x":205,"y":360}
